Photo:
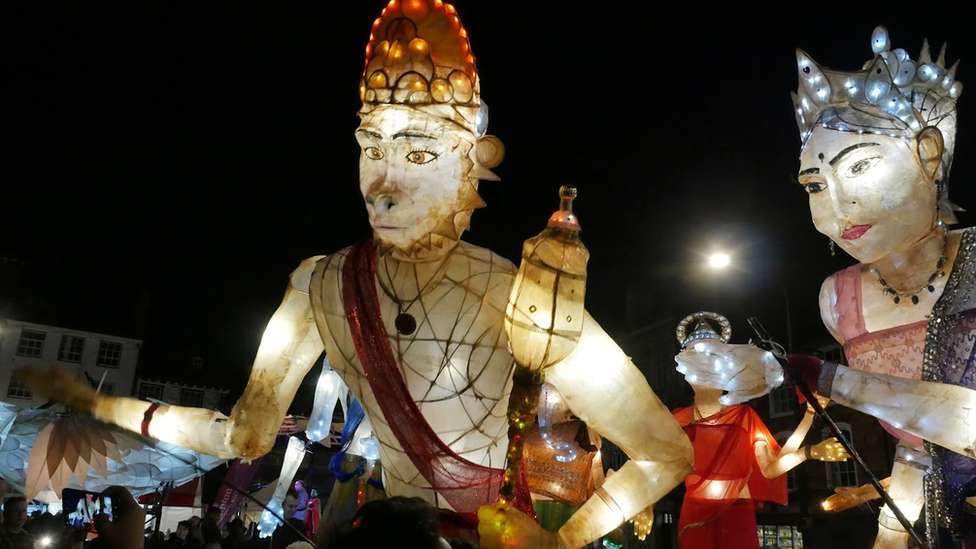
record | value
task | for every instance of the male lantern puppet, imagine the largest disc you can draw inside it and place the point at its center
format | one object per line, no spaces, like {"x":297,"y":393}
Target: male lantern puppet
{"x":412,"y":319}
{"x":877,"y":145}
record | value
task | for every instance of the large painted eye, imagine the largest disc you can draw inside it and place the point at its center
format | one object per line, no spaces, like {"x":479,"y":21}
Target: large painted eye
{"x":373,"y":153}
{"x":861,"y":167}
{"x":421,"y":157}
{"x":814,"y":188}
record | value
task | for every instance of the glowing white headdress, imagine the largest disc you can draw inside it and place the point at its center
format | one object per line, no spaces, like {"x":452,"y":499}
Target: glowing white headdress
{"x":891,"y":95}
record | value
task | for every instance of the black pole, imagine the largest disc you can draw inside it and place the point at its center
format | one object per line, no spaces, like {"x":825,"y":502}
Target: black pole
{"x":777,"y":350}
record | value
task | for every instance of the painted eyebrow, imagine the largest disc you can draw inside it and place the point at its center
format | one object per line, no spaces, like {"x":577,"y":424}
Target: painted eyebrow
{"x":809,"y":171}
{"x":413,"y":134}
{"x":372,"y":134}
{"x":852,"y":148}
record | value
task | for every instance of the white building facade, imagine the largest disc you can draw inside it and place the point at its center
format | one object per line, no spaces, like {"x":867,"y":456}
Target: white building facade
{"x":180,"y":394}
{"x":106,"y":360}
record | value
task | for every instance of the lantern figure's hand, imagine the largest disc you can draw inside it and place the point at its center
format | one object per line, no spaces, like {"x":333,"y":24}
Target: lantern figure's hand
{"x":829,"y":450}
{"x":643,"y":522}
{"x":744,"y":371}
{"x":847,"y":497}
{"x":501,"y":528}
{"x":824,"y":401}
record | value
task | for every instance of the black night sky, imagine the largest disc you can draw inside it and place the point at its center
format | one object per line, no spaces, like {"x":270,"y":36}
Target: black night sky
{"x":166,"y":166}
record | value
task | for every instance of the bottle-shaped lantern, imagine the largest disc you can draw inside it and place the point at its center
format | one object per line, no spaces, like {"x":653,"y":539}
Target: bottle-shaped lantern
{"x":543,"y":321}
{"x":544,"y":317}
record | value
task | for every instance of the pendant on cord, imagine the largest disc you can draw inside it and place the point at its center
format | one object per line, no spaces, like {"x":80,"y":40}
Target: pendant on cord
{"x":405,"y":324}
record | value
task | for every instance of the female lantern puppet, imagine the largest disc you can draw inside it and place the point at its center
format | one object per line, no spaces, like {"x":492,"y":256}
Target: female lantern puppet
{"x":877,"y":145}
{"x":412,"y":319}
{"x":738,"y":464}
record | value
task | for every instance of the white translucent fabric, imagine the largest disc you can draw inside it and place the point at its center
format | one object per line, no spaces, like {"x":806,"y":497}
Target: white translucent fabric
{"x":294,"y":455}
{"x":328,"y":392}
{"x":142,"y":465}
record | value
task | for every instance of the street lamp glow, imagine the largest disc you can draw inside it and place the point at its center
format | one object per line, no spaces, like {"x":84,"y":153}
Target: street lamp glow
{"x":719,"y":261}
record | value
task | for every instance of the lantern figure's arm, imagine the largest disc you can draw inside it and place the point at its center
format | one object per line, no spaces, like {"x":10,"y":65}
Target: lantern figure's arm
{"x":604,"y":388}
{"x":937,"y":412}
{"x":940,"y":413}
{"x":774,"y":464}
{"x":289,"y":347}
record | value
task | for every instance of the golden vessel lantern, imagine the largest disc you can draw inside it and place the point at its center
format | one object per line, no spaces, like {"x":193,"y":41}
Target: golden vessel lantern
{"x":543,"y":320}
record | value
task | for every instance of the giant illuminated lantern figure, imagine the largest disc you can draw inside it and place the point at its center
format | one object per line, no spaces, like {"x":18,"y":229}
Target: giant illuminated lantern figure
{"x":413,"y":319}
{"x":737,"y":462}
{"x":877,"y":145}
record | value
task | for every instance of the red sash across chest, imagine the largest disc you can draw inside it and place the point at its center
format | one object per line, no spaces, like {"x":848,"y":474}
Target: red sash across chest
{"x":464,"y":484}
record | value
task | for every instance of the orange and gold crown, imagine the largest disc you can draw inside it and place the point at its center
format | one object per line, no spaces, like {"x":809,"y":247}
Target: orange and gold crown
{"x":419,"y":55}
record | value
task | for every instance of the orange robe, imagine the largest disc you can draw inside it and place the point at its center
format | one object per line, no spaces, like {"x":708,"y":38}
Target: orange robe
{"x":712,"y":514}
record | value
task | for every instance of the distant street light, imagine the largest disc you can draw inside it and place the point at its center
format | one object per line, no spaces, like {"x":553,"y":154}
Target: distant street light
{"x":719,"y":261}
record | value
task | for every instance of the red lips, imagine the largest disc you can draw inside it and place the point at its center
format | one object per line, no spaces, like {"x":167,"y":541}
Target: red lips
{"x":855,"y":232}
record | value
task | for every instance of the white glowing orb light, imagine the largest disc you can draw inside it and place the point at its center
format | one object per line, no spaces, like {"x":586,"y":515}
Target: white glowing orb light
{"x":44,"y":542}
{"x":719,"y":261}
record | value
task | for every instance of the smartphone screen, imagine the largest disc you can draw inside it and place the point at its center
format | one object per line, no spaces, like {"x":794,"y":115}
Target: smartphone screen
{"x":107,"y":508}
{"x":79,"y":507}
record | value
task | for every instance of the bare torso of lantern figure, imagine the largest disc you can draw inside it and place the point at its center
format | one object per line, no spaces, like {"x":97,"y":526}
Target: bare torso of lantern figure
{"x":441,"y":303}
{"x":875,"y":167}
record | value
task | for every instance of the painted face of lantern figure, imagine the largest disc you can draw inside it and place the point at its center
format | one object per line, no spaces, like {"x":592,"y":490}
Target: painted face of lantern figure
{"x":418,"y":175}
{"x":871,"y":194}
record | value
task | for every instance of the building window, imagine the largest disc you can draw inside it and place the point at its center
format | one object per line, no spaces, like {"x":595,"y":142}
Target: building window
{"x":779,"y":537}
{"x":109,"y":354}
{"x":196,"y":362}
{"x":31,"y":343}
{"x":150,"y":391}
{"x":834,"y":353}
{"x":191,"y":397}
{"x":782,"y":401}
{"x":71,"y":348}
{"x":841,"y":473}
{"x":18,"y":389}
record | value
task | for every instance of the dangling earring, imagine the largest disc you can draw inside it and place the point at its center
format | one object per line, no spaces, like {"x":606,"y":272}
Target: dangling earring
{"x":833,"y":248}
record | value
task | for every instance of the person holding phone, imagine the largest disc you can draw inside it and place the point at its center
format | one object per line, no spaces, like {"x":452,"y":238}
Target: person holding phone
{"x":126,"y":529}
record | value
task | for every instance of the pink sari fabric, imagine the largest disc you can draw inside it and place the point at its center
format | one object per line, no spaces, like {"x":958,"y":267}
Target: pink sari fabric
{"x":896,"y":351}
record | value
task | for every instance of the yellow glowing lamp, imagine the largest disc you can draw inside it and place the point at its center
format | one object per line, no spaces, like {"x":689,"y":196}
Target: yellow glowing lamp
{"x":544,"y":318}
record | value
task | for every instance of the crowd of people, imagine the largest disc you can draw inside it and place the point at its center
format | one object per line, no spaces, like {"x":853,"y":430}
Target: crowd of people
{"x":127,"y":528}
{"x":409,"y":523}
